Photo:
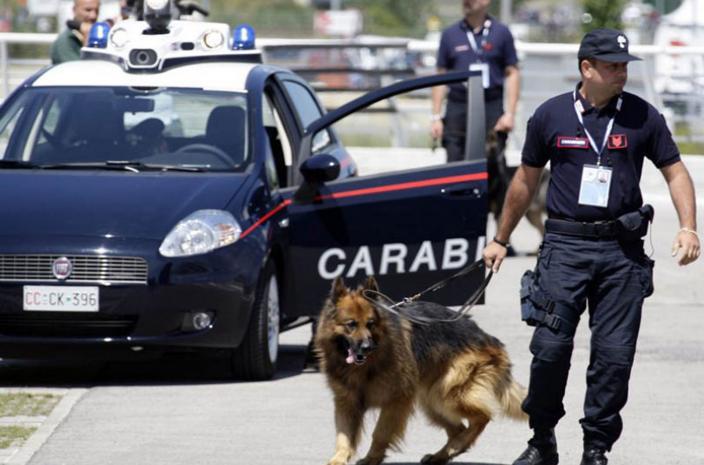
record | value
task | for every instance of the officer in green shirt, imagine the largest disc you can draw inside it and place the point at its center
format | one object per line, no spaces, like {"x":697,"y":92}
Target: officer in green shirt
{"x":67,"y":46}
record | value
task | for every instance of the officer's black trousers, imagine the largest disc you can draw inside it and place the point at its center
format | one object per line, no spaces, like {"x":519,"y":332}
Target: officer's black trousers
{"x":455,"y":126}
{"x":611,"y":279}
{"x":453,"y":140}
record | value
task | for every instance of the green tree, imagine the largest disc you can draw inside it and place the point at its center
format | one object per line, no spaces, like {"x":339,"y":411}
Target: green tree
{"x":394,"y":17}
{"x":604,"y":13}
{"x":270,"y":18}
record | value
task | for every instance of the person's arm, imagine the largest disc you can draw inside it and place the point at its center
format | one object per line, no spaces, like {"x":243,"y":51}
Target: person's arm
{"x":512,"y":85}
{"x":84,"y":32}
{"x":682,"y":192}
{"x":64,"y":50}
{"x":518,"y":198}
{"x":437,"y":97}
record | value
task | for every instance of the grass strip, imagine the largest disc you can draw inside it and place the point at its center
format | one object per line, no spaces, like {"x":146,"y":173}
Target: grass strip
{"x":27,"y":404}
{"x":14,"y":435}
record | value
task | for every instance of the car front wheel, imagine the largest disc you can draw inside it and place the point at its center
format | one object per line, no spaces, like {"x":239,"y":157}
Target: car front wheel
{"x":255,"y":358}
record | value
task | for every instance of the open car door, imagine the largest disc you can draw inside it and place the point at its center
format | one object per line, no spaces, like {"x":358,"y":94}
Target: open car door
{"x":409,"y":229}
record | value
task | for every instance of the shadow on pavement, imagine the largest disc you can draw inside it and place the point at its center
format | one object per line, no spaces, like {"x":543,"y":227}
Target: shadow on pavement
{"x":171,"y":369}
{"x":453,"y":463}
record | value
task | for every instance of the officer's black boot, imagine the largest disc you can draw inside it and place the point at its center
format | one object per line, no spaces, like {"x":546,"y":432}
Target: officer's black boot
{"x":594,"y":456}
{"x":541,"y":450}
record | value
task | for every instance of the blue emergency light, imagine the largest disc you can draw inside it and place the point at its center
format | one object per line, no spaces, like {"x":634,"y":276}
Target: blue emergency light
{"x":243,"y":37}
{"x":98,"y":36}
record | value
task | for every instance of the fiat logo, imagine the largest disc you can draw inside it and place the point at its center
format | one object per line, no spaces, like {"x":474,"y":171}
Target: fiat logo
{"x":62,"y":268}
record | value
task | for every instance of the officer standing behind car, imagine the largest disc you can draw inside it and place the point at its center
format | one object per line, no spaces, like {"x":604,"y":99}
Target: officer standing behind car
{"x":481,"y":43}
{"x":477,"y":42}
{"x":596,"y":138}
{"x":67,"y":46}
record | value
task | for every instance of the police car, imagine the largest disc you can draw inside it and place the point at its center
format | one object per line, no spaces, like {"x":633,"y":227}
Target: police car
{"x":170,"y":192}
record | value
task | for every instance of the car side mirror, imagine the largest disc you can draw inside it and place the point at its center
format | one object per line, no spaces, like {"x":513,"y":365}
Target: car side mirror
{"x":316,"y":170}
{"x":320,"y":168}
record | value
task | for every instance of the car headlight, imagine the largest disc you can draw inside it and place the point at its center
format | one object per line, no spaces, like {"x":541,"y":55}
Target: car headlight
{"x":201,"y":232}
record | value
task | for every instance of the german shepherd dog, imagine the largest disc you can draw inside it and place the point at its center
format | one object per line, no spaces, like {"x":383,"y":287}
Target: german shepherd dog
{"x":500,"y":175}
{"x":459,"y":375}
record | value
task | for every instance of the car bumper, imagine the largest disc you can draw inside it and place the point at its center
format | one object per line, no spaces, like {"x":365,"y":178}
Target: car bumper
{"x":140,"y":318}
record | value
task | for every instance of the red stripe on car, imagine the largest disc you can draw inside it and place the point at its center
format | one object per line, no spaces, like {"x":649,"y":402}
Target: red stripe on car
{"x":373,"y":190}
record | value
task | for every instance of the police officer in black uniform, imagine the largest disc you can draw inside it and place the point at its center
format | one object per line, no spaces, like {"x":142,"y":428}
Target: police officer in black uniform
{"x":596,"y":138}
{"x":478,"y":42}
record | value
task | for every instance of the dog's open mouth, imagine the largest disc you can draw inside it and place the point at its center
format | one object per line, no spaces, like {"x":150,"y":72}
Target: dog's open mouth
{"x":353,"y":358}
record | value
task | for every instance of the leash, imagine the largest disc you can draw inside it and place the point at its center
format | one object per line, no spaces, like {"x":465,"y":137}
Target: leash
{"x":384,"y":302}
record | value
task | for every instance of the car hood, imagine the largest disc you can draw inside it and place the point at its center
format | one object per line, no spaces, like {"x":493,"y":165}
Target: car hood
{"x":127,"y":205}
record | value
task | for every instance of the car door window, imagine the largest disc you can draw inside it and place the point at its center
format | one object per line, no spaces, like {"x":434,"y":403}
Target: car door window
{"x":7,"y":126}
{"x":279,"y":164}
{"x":52,"y":119}
{"x":308,"y":111}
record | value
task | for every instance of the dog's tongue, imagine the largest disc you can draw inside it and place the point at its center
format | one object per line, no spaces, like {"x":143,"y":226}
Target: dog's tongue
{"x":350,"y":357}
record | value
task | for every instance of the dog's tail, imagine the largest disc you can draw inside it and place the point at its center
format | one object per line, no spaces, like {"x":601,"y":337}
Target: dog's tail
{"x":511,"y":400}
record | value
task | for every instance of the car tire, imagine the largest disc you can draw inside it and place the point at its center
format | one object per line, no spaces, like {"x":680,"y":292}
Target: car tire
{"x":255,"y":358}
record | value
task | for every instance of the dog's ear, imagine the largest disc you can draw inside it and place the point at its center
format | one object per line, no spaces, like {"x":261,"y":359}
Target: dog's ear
{"x":338,"y":289}
{"x":371,"y":284}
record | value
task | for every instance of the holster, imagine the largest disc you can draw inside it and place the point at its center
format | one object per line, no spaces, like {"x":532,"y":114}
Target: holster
{"x":634,"y":225}
{"x":536,"y":305}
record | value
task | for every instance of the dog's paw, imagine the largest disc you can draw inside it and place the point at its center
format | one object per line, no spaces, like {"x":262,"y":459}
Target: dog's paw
{"x":433,"y":459}
{"x":337,"y":462}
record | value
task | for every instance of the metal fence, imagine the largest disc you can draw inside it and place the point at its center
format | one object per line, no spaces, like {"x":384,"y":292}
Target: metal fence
{"x":339,"y":67}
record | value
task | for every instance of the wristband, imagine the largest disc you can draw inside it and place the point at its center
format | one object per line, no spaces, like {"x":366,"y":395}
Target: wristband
{"x":691,"y":231}
{"x":436,"y":117}
{"x":501,"y":243}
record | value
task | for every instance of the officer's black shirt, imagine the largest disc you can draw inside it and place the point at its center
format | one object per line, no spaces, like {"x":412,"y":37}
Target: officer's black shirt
{"x":498,"y":51}
{"x":555,"y":134}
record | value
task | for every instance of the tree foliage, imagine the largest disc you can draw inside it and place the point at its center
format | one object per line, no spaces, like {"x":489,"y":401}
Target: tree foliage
{"x":393,"y":17}
{"x":604,"y":13}
{"x":273,"y":18}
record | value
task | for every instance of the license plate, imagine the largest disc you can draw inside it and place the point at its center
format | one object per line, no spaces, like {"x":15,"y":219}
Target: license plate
{"x":60,"y":298}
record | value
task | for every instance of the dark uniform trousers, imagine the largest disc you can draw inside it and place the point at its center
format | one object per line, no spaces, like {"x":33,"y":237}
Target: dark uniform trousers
{"x":455,"y":125}
{"x":612,"y":278}
{"x":453,"y":140}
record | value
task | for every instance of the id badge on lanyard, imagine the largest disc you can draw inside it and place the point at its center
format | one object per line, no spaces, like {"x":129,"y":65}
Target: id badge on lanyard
{"x":595,"y":184}
{"x":479,"y":51}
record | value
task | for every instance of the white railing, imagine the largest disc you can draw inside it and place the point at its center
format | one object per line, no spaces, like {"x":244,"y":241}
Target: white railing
{"x":546,"y":69}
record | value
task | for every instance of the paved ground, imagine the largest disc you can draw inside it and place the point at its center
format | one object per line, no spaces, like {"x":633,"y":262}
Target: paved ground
{"x":180,"y":413}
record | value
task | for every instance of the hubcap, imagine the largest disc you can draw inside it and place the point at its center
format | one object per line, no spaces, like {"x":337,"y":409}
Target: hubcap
{"x":272,"y":304}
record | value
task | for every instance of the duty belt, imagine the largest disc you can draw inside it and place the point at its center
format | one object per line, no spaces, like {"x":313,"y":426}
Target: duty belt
{"x":599,"y":230}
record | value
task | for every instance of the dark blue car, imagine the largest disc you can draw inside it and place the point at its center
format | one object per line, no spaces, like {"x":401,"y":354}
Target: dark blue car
{"x":204,"y":203}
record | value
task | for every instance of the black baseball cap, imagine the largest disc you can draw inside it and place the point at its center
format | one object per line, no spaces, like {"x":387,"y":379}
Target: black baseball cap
{"x":606,"y":45}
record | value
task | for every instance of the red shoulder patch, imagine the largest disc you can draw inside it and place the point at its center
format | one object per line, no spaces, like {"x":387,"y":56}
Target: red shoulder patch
{"x":618,"y":141}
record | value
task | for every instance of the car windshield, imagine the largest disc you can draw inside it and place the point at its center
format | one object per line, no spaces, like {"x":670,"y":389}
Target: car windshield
{"x":188,"y":129}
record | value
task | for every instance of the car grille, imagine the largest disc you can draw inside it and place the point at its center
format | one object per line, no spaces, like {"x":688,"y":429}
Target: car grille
{"x":86,"y":269}
{"x":67,"y":325}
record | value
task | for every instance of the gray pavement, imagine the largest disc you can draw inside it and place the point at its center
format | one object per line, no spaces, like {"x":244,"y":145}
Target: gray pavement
{"x":177,"y":414}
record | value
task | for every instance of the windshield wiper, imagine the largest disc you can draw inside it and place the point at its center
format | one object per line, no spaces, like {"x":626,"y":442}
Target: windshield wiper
{"x":18,"y":164}
{"x":121,"y":165}
{"x":139,"y":166}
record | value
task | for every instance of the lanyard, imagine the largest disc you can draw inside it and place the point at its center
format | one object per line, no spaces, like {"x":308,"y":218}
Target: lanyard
{"x":479,"y":50}
{"x":578,"y":109}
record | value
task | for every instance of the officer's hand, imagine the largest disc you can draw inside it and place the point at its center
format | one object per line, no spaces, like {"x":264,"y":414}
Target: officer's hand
{"x":436,"y":129}
{"x":505,"y":123}
{"x":494,"y":254}
{"x":687,"y":246}
{"x":85,"y":31}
